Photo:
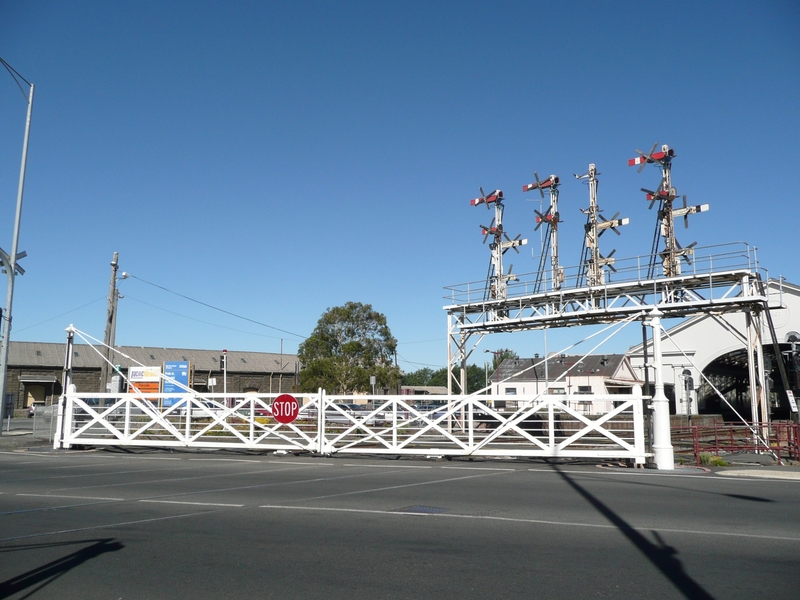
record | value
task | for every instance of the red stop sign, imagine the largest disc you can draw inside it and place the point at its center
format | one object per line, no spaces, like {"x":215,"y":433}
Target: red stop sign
{"x":285,"y":408}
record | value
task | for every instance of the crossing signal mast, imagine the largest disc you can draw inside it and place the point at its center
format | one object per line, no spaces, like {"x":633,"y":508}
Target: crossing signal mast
{"x":497,"y":280}
{"x":550,"y":219}
{"x":673,"y":252}
{"x":593,"y":263}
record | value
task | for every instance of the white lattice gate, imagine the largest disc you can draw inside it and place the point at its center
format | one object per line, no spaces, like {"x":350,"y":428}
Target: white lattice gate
{"x":543,"y":426}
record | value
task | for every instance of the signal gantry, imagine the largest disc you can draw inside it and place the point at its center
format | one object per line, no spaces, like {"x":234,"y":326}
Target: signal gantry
{"x":673,"y":252}
{"x":593,"y":263}
{"x":497,"y":280}
{"x":551,"y":218}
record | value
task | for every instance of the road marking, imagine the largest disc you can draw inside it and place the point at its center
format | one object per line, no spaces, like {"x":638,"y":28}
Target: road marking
{"x":315,"y":464}
{"x":478,"y":468}
{"x":120,"y":524}
{"x":534,"y":522}
{"x":74,"y":497}
{"x":396,"y":487}
{"x":192,"y":503}
{"x":386,"y":466}
{"x":635,"y":473}
{"x":788,"y":476}
{"x":245,"y":460}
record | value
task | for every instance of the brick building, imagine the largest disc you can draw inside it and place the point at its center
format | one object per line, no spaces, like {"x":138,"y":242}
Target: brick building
{"x":35,"y":369}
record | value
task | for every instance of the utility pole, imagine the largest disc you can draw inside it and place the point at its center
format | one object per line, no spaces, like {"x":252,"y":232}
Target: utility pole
{"x":111,"y":325}
{"x":9,"y":261}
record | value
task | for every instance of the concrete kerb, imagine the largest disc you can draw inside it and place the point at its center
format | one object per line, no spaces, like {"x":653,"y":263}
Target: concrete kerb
{"x":785,"y":472}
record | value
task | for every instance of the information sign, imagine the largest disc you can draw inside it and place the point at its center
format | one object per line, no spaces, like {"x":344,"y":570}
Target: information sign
{"x":792,"y":402}
{"x":176,"y":379}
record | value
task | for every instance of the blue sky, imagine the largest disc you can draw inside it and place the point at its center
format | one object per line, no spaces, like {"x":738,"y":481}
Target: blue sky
{"x":275,"y":159}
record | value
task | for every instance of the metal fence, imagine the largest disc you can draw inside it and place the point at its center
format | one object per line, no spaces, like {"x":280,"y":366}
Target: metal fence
{"x":44,"y":422}
{"x":782,"y":439}
{"x":546,"y":426}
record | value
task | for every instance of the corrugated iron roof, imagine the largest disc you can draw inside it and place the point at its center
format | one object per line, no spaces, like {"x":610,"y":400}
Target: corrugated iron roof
{"x":523,"y":369}
{"x":48,"y":354}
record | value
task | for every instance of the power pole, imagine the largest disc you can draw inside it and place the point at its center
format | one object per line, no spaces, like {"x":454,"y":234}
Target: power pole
{"x":9,"y":261}
{"x":111,"y":325}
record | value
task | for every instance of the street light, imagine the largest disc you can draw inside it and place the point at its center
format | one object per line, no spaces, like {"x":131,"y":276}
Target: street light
{"x":9,"y":261}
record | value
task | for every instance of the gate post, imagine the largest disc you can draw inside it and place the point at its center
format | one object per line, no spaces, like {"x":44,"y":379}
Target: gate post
{"x":320,"y":421}
{"x":66,"y":388}
{"x":638,"y":425}
{"x":662,"y":443}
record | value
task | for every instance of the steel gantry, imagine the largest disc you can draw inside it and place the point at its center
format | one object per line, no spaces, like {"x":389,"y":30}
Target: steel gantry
{"x":709,"y":291}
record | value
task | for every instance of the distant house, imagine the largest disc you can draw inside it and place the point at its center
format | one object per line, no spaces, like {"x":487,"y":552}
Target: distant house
{"x":35,"y":369}
{"x":577,"y":377}
{"x":422,"y":390}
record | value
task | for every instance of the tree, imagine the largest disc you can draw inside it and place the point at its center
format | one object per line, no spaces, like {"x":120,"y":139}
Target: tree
{"x":418,"y":378}
{"x":498,"y":356}
{"x":349,"y":344}
{"x":476,"y":378}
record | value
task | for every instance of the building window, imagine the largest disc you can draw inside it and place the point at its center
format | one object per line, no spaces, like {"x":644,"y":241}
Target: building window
{"x":511,"y":391}
{"x":584,"y":389}
{"x":558,"y":390}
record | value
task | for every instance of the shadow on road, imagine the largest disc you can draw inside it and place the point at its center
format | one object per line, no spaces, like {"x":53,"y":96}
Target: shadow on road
{"x":662,"y":557}
{"x":38,"y":578}
{"x":672,"y":486}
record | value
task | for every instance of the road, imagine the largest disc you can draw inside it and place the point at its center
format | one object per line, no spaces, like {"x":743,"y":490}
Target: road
{"x":130,"y":525}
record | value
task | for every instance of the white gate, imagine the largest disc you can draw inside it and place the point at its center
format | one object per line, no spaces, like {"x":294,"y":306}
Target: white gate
{"x":540,"y":426}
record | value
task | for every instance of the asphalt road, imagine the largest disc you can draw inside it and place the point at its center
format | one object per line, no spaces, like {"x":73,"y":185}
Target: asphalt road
{"x":150,"y":525}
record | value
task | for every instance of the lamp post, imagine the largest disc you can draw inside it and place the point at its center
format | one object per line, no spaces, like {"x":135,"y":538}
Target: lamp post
{"x":9,"y":261}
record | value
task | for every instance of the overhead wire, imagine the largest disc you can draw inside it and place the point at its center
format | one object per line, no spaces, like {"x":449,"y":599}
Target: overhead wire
{"x":16,"y":77}
{"x":172,"y":312}
{"x":72,"y":310}
{"x":211,"y":306}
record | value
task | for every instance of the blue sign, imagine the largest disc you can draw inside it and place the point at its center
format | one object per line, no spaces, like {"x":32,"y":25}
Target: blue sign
{"x":176,"y":380}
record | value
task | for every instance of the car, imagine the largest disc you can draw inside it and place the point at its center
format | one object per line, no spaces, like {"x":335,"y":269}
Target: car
{"x":36,"y":406}
{"x":205,"y":409}
{"x":432,"y":411}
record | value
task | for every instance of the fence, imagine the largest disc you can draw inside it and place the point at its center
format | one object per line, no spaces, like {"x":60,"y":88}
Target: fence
{"x":783,"y":439}
{"x":44,"y":423}
{"x":545,"y":426}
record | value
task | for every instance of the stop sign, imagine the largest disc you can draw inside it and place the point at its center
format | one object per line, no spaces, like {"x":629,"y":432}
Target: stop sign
{"x":285,"y":408}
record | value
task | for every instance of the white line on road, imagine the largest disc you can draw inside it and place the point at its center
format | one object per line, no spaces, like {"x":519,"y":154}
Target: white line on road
{"x":121,"y":524}
{"x":536,"y":522}
{"x":789,"y":476}
{"x":397,"y":487}
{"x":478,"y":468}
{"x":386,"y":466}
{"x":244,"y":460}
{"x":74,"y":497}
{"x":312,"y":464}
{"x":192,"y":503}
